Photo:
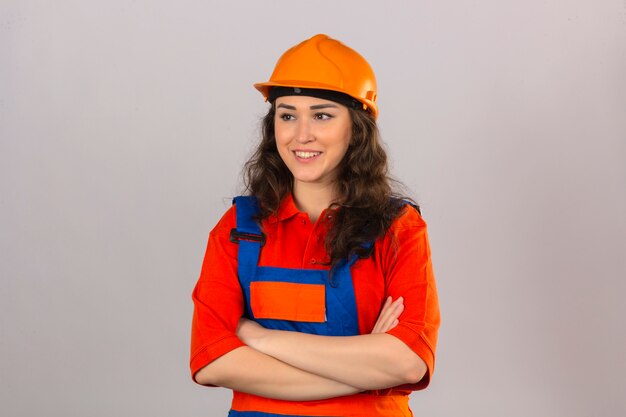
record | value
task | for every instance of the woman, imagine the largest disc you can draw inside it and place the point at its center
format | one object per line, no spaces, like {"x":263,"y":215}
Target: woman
{"x":316,"y":296}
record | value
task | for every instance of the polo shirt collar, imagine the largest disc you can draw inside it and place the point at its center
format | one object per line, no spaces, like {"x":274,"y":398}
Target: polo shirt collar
{"x":286,"y":210}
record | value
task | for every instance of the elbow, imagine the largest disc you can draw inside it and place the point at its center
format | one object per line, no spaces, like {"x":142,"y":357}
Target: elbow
{"x":221,"y":372}
{"x":415,"y":370}
{"x":205,"y":377}
{"x":409,"y":367}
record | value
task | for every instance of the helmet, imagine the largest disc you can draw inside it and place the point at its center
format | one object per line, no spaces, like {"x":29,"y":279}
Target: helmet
{"x":325,"y":63}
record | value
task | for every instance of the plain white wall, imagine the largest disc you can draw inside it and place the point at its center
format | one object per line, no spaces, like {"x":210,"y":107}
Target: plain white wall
{"x":123,"y":127}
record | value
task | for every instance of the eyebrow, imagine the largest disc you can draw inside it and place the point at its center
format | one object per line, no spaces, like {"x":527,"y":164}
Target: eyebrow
{"x":322,"y":106}
{"x":315,"y":107}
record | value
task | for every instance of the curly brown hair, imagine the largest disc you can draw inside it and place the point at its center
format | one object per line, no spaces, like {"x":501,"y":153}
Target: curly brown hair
{"x":368,"y":202}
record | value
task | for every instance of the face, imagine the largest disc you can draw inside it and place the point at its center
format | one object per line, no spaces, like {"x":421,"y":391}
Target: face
{"x":312,"y":137}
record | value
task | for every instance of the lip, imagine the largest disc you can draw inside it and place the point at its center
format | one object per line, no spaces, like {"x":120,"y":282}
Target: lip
{"x":309,"y":159}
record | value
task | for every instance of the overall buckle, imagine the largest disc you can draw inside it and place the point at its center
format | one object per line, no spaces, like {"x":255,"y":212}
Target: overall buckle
{"x":236,"y":236}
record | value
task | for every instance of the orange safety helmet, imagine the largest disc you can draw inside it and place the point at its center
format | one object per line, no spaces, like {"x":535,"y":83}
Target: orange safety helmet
{"x":326,"y":64}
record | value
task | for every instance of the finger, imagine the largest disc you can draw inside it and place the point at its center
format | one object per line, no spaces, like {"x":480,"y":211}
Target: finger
{"x":390,"y":309}
{"x":385,"y":310}
{"x":392,"y":314}
{"x":382,"y":314}
{"x":386,"y":304}
{"x":394,"y":324}
{"x":391,"y":322}
{"x":388,"y":314}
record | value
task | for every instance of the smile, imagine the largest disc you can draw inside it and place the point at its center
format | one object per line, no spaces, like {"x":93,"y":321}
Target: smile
{"x":306,"y":155}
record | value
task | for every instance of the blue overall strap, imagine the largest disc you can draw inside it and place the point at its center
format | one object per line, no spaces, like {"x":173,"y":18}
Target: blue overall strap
{"x":248,"y":235}
{"x":333,"y":279}
{"x":341,"y":306}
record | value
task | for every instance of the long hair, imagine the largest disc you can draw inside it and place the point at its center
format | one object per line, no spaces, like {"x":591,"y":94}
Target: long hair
{"x":367,"y":205}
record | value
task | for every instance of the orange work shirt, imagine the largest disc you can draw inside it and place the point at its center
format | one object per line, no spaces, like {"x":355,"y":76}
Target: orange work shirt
{"x":400,"y":265}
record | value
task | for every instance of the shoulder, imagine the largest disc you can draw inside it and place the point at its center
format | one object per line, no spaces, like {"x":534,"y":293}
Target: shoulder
{"x":227,"y":222}
{"x":409,"y":218}
{"x":408,"y":230}
{"x":405,"y":246}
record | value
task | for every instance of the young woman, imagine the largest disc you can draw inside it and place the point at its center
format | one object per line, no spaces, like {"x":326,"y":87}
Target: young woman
{"x":316,"y":296}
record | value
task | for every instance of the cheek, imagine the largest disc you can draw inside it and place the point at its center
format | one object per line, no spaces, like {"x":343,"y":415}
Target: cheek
{"x":281,"y":145}
{"x":282,"y":136}
{"x":347,"y":133}
{"x":348,"y":138}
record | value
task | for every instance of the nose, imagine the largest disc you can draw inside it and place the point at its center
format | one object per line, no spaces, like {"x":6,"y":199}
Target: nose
{"x":304,"y":133}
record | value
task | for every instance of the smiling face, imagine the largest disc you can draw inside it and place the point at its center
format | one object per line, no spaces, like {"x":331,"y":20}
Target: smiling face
{"x":312,"y":137}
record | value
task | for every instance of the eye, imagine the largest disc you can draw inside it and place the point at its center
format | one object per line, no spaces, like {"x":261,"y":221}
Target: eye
{"x":286,"y":117}
{"x":322,"y":116}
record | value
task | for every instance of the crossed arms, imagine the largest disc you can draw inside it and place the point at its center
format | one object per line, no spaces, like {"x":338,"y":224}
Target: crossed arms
{"x":300,"y":367}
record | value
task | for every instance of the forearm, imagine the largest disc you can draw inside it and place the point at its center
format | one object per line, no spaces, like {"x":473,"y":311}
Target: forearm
{"x":247,"y":370}
{"x":371,"y":361}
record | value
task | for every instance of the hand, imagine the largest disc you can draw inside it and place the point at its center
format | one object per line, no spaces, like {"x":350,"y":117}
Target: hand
{"x":388,"y":317}
{"x":250,"y":332}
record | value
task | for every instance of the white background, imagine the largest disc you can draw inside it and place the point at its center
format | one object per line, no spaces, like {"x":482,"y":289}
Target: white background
{"x":123,"y":128}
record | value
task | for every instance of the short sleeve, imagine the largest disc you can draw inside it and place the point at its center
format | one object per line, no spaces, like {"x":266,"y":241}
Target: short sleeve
{"x":217,"y":298}
{"x":410,"y":275}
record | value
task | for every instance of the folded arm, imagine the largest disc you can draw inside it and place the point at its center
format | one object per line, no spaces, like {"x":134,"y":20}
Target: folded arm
{"x":247,"y":370}
{"x":372,"y":361}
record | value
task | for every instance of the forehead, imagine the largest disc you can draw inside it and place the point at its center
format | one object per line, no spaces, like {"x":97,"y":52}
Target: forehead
{"x":305,"y":102}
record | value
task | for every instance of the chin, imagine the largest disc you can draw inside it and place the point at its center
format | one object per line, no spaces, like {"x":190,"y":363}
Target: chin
{"x":307,"y":180}
{"x":305,"y":176}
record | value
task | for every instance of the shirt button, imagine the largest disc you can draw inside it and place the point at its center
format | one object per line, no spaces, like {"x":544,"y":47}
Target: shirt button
{"x":313,"y":261}
{"x":303,"y":221}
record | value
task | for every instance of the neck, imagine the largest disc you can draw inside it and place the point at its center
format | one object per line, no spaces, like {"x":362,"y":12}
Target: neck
{"x":313,"y":199}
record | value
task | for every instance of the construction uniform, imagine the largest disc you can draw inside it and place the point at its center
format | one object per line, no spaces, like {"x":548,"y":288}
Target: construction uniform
{"x":283,"y":283}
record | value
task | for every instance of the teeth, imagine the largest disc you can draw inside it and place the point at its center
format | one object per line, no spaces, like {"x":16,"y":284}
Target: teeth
{"x":307,"y":155}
